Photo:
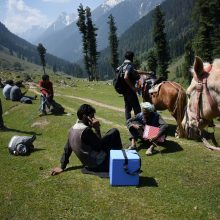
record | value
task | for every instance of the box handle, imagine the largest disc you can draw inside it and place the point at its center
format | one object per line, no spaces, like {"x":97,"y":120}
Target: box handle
{"x":136,"y":172}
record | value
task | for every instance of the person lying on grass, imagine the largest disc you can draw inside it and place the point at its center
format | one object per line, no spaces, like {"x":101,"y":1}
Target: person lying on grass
{"x":136,"y":125}
{"x":85,"y":141}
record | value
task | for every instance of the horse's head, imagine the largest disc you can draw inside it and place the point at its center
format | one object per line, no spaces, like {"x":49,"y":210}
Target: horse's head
{"x":203,"y":99}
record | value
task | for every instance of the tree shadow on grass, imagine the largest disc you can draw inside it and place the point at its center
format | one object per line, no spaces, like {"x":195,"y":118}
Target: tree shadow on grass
{"x":170,"y":147}
{"x":147,"y":181}
{"x":38,"y":149}
{"x":20,"y":131}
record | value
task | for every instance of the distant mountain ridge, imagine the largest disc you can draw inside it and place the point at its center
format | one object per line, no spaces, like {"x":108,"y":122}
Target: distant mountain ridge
{"x":25,"y":50}
{"x":66,"y":42}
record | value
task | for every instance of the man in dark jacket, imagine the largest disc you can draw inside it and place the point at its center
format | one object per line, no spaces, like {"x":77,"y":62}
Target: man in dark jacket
{"x":130,"y":93}
{"x":136,"y":125}
{"x":85,"y":141}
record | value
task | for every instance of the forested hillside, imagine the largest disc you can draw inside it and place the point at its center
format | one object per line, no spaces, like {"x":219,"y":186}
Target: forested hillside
{"x":24,"y":50}
{"x":178,"y":27}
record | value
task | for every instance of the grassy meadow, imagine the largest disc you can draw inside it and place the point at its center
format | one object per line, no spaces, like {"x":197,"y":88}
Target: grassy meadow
{"x":181,"y":181}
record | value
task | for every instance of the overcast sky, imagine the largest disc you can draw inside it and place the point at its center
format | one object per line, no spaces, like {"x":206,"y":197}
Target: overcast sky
{"x":20,"y":15}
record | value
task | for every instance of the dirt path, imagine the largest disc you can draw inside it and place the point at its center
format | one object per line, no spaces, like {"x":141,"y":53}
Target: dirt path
{"x":93,"y":102}
{"x":90,"y":101}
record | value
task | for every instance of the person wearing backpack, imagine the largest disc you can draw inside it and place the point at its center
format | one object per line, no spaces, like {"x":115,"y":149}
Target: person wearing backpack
{"x":130,"y":91}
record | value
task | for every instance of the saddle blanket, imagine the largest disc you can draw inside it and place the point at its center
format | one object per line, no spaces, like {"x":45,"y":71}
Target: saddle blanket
{"x":150,"y":132}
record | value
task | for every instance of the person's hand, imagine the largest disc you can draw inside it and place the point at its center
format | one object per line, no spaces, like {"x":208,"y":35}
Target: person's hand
{"x":153,"y":139}
{"x":136,"y":126}
{"x":56,"y":171}
{"x":95,"y":123}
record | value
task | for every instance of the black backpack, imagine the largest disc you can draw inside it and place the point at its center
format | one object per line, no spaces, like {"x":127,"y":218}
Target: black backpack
{"x":119,"y":82}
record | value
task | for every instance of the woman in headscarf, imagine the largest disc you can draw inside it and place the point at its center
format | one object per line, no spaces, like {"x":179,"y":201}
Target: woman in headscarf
{"x":136,"y":125}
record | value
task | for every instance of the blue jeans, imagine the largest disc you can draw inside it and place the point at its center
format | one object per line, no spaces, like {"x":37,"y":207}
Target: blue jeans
{"x":44,"y":102}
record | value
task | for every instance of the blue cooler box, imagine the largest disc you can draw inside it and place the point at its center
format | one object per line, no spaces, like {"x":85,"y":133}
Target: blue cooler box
{"x":117,"y":173}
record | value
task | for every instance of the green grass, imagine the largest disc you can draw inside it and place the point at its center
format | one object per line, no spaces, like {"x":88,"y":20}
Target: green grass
{"x":182,"y":181}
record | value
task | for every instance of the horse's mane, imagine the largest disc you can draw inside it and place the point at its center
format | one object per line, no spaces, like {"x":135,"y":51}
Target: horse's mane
{"x":216,"y":64}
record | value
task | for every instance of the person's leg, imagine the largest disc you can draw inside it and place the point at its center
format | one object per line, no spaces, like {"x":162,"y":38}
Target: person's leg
{"x":128,"y":107}
{"x":42,"y":105}
{"x":150,"y":150}
{"x":111,"y":141}
{"x":135,"y":135}
{"x":30,"y":97}
{"x":134,"y":102}
{"x":1,"y":118}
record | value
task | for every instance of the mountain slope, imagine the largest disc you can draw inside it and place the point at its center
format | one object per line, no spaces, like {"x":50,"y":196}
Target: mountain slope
{"x":66,"y":43}
{"x":25,"y":50}
{"x":138,"y":38}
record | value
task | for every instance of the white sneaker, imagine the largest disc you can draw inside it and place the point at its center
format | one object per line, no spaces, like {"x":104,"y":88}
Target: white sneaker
{"x":132,"y":147}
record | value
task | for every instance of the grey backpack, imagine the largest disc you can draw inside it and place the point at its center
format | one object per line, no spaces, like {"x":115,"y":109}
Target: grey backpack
{"x":21,"y":145}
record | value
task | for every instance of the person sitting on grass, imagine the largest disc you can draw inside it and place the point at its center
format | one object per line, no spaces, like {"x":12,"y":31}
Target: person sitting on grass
{"x":136,"y":125}
{"x":7,"y":89}
{"x":85,"y":141}
{"x":46,"y":88}
{"x":17,"y":95}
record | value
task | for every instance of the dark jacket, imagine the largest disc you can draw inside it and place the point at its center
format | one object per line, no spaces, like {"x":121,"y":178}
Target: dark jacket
{"x":85,"y":144}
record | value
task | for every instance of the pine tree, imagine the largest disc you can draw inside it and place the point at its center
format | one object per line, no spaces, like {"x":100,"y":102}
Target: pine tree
{"x":161,"y":46}
{"x":92,"y":44}
{"x":54,"y":68}
{"x":81,"y":23}
{"x":215,"y":11}
{"x":152,"y":60}
{"x":88,"y":30}
{"x":113,"y":42}
{"x":42,"y":51}
{"x":188,"y":62}
{"x":202,"y":41}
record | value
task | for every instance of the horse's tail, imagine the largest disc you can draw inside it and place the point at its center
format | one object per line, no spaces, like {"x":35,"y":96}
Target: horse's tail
{"x":180,"y":110}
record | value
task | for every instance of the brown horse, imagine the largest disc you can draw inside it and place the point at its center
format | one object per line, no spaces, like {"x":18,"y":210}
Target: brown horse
{"x":171,"y":96}
{"x":203,"y":101}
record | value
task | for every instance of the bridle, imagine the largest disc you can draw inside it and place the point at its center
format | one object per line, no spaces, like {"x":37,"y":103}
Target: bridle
{"x":201,"y":86}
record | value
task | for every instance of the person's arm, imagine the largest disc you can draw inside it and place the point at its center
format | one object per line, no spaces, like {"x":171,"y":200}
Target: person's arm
{"x":64,"y":160}
{"x":43,"y":90}
{"x":142,"y":72}
{"x":128,"y":81}
{"x":130,"y":122}
{"x":163,"y":126}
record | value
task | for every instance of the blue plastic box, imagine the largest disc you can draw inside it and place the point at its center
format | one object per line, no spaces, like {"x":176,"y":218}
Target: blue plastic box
{"x":117,"y":173}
